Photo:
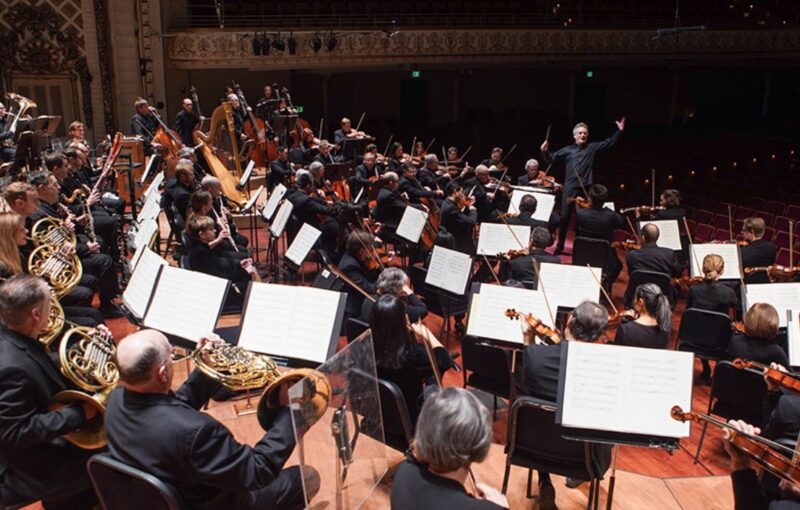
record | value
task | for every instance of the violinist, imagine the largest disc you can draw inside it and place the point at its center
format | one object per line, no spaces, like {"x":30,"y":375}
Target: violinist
{"x":431,"y":175}
{"x":710,"y":294}
{"x":310,"y":207}
{"x":484,"y":199}
{"x":391,"y":205}
{"x":598,"y":222}
{"x":280,"y":170}
{"x":494,"y":159}
{"x":354,"y":263}
{"x":187,"y":120}
{"x":672,"y":202}
{"x":324,"y":155}
{"x":758,"y":252}
{"x":520,"y":268}
{"x":396,"y":157}
{"x":531,"y":174}
{"x":541,"y":373}
{"x":345,"y":134}
{"x":578,"y":169}
{"x":782,"y":409}
{"x":757,"y":343}
{"x":413,"y":188}
{"x":144,"y":125}
{"x":362,"y":178}
{"x":459,"y":217}
{"x":527,"y":208}
{"x":653,"y":323}
{"x":651,"y":257}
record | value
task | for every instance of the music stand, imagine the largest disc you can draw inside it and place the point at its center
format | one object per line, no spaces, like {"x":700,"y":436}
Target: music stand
{"x":29,"y":143}
{"x":355,"y":146}
{"x":283,"y":123}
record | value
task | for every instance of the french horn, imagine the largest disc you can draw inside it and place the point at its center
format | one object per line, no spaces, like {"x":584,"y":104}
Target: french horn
{"x":87,"y":360}
{"x":61,"y":271}
{"x":51,"y":231}
{"x":55,"y":323}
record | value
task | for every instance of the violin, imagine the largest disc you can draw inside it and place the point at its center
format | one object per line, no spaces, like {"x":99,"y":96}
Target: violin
{"x":774,"y":457}
{"x":546,"y":181}
{"x":510,"y":254}
{"x":464,"y":201}
{"x":618,"y":316}
{"x":643,"y":209}
{"x":628,"y":244}
{"x":786,"y":380}
{"x":580,"y":202}
{"x":738,"y":327}
{"x":549,"y":335}
{"x":775,"y":271}
{"x":687,"y":281}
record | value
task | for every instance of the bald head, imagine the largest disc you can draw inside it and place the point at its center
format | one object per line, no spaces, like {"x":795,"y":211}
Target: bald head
{"x":650,"y":233}
{"x":140,"y":356}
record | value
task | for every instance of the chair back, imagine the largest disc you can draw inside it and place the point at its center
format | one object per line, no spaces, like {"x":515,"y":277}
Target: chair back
{"x":595,"y":252}
{"x":737,"y":394}
{"x":353,"y":328}
{"x":489,"y":366}
{"x":397,"y":429}
{"x":640,"y":276}
{"x":123,"y":487}
{"x":186,"y":249}
{"x":705,"y":330}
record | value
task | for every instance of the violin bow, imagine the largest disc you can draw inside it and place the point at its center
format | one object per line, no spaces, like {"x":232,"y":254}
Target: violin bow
{"x":321,"y":122}
{"x":633,"y":229}
{"x":489,"y":265}
{"x":388,"y":144}
{"x":521,"y":246}
{"x":580,"y":181}
{"x":653,"y":188}
{"x":510,"y":152}
{"x":691,"y":249}
{"x":465,"y":153}
{"x":540,"y":285}
{"x":360,"y":121}
{"x":614,"y":308}
{"x":430,"y":144}
{"x":369,"y":249}
{"x":547,"y":133}
{"x":791,"y":244}
{"x":730,"y":224}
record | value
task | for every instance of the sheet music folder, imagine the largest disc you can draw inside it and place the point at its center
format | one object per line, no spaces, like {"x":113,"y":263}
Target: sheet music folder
{"x":649,"y":382}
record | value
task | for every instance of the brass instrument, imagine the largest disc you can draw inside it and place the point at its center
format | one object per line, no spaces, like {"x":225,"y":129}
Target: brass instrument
{"x":51,"y":231}
{"x":87,"y":360}
{"x":312,"y":405}
{"x":61,"y":271}
{"x":55,"y":323}
{"x":24,"y":105}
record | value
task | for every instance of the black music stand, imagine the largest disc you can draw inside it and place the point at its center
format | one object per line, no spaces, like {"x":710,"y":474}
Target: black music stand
{"x":353,"y":146}
{"x":282,"y":123}
{"x":29,"y":146}
{"x":338,"y":171}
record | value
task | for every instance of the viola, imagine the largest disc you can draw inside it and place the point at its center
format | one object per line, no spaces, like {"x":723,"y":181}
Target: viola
{"x":549,"y":335}
{"x":786,"y":380}
{"x":774,"y":457}
{"x":628,"y":244}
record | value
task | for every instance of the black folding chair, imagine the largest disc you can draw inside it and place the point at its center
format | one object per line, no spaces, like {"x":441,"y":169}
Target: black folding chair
{"x":489,"y":368}
{"x":640,"y":276}
{"x":353,"y":328}
{"x":535,"y":441}
{"x":123,"y":487}
{"x":706,"y":334}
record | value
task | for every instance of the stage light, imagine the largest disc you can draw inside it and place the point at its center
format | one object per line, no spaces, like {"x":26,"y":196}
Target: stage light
{"x":278,"y":43}
{"x":316,"y":43}
{"x":332,"y":42}
{"x":292,"y":42}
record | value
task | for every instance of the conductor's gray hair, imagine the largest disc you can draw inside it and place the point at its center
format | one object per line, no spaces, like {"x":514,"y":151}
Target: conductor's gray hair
{"x":454,"y":430}
{"x":580,"y":125}
{"x":391,"y":281}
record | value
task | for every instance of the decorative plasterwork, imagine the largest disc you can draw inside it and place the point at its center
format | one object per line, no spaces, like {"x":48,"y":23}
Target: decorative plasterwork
{"x":221,"y":49}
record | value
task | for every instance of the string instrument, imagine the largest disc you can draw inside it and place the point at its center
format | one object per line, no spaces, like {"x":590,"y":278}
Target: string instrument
{"x":220,"y":171}
{"x":372,"y":258}
{"x":772,"y":456}
{"x":463,"y":201}
{"x":431,"y":229}
{"x":346,"y":279}
{"x":510,"y":254}
{"x":547,"y":181}
{"x":786,"y":380}
{"x":501,"y":165}
{"x":738,"y":327}
{"x":549,"y":335}
{"x":256,"y":129}
{"x":687,"y":281}
{"x":616,"y":316}
{"x":775,"y":271}
{"x":628,"y":244}
{"x":640,"y":210}
{"x":580,"y":202}
{"x":169,"y":139}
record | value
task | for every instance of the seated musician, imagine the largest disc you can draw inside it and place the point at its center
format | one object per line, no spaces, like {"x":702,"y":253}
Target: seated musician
{"x":280,"y":170}
{"x":759,"y":252}
{"x":757,"y":343}
{"x":95,"y":263}
{"x":38,"y":463}
{"x":180,"y":189}
{"x":187,"y":121}
{"x":7,"y":151}
{"x":452,"y":156}
{"x":527,"y":208}
{"x":484,"y":198}
{"x":494,"y":159}
{"x":652,"y":257}
{"x":671,"y":200}
{"x":444,"y":239}
{"x":77,"y":132}
{"x":531,"y":174}
{"x":201,"y":204}
{"x":542,"y":372}
{"x":454,"y":431}
{"x":653,"y":325}
{"x":144,"y":125}
{"x":431,"y":175}
{"x":396,"y":158}
{"x":413,"y":188}
{"x":459,"y":218}
{"x":212,"y":185}
{"x":360,"y":181}
{"x":341,"y":136}
{"x":520,"y":268}
{"x":598,"y":222}
{"x":358,"y":264}
{"x":710,"y":294}
{"x":154,"y":429}
{"x":324,"y":155}
{"x":394,"y":281}
{"x":400,"y":355}
{"x":310,"y":207}
{"x":391,"y":206}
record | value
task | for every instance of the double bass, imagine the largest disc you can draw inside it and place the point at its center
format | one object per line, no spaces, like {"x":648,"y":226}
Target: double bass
{"x":169,"y":139}
{"x":264,"y":150}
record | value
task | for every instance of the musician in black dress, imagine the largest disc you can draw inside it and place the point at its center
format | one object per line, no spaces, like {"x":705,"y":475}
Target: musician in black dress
{"x":395,"y":281}
{"x":652,"y":327}
{"x":579,"y":165}
{"x":396,"y":158}
{"x":672,"y":202}
{"x":757,"y":343}
{"x":186,"y":121}
{"x":710,"y":294}
{"x":144,"y":125}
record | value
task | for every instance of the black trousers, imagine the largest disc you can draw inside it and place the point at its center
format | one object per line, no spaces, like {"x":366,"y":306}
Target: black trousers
{"x":101,"y":265}
{"x":79,"y":296}
{"x":567,"y":211}
{"x":106,"y":227}
{"x":284,"y":493}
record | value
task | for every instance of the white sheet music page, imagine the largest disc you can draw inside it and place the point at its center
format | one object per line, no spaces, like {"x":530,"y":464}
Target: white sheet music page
{"x":449,"y":270}
{"x":251,"y":202}
{"x":289,"y":321}
{"x":302,"y":243}
{"x":272,"y":202}
{"x":626,"y":389}
{"x":729,"y":253}
{"x":154,"y":184}
{"x":544,"y":203}
{"x":140,"y":287}
{"x":792,"y":318}
{"x":610,"y":205}
{"x":145,"y":233}
{"x":497,"y":238}
{"x":487,"y":317}
{"x":411,"y":224}
{"x":277,"y":226}
{"x":669,"y":234}
{"x":186,"y":303}
{"x":783,"y":296}
{"x":567,"y":285}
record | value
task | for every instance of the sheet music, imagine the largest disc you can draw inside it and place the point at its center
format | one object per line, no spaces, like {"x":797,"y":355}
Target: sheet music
{"x":277,"y":226}
{"x":567,"y":285}
{"x":669,"y":235}
{"x":272,"y":202}
{"x":497,"y":238}
{"x":487,"y":312}
{"x":302,"y":243}
{"x":544,"y":203}
{"x":792,"y":318}
{"x":150,"y":209}
{"x":783,"y":296}
{"x":247,"y":172}
{"x":186,"y":303}
{"x":610,"y":205}
{"x":154,"y":184}
{"x":449,"y":270}
{"x":253,"y":199}
{"x":145,"y":233}
{"x":729,"y":253}
{"x":411,"y":224}
{"x":626,"y":389}
{"x":140,"y":287}
{"x":148,"y":169}
{"x":290,"y":321}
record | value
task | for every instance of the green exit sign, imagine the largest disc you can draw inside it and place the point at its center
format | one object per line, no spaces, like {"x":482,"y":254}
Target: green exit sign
{"x":299,"y":109}
{"x":589,"y":74}
{"x":415,"y":74}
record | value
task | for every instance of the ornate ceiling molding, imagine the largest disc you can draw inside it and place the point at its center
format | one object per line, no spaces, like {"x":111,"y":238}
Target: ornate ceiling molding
{"x":218,"y":49}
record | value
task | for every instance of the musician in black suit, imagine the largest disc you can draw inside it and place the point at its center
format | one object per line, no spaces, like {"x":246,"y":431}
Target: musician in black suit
{"x":759,"y":252}
{"x":542,"y":372}
{"x":186,"y":121}
{"x":673,"y":209}
{"x":494,"y":158}
{"x":280,"y":170}
{"x":521,"y":268}
{"x":391,"y":206}
{"x":310,"y":207}
{"x":354,"y":265}
{"x":484,"y":198}
{"x":163,"y":433}
{"x":531,"y":172}
{"x":324,"y":155}
{"x":360,"y":181}
{"x":38,"y":463}
{"x":459,"y":219}
{"x":413,"y":188}
{"x":651,"y":257}
{"x":757,"y":343}
{"x":431,"y":175}
{"x":598,"y":222}
{"x":527,"y":208}
{"x":143,"y":124}
{"x":181,"y":191}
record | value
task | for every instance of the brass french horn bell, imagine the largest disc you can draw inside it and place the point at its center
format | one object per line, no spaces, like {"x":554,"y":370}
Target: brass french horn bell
{"x":316,"y":394}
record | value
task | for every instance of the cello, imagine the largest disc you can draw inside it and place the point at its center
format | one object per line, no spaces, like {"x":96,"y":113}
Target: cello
{"x":169,"y":139}
{"x":264,"y":150}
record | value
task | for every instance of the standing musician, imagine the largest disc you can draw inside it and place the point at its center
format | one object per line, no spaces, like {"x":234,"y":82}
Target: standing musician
{"x":212,"y":185}
{"x":484,"y":199}
{"x":280,"y":170}
{"x":266,"y":105}
{"x":413,"y":188}
{"x":187,"y":121}
{"x":542,"y":372}
{"x":7,"y":150}
{"x":356,"y":264}
{"x":38,"y":463}
{"x":324,"y":155}
{"x":363,"y":177}
{"x":391,"y":206}
{"x":238,"y":118}
{"x":310,"y":207}
{"x":520,"y":268}
{"x":164,"y":433}
{"x":579,"y":164}
{"x":144,"y":125}
{"x":527,"y":208}
{"x":459,"y":217}
{"x":453,"y":432}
